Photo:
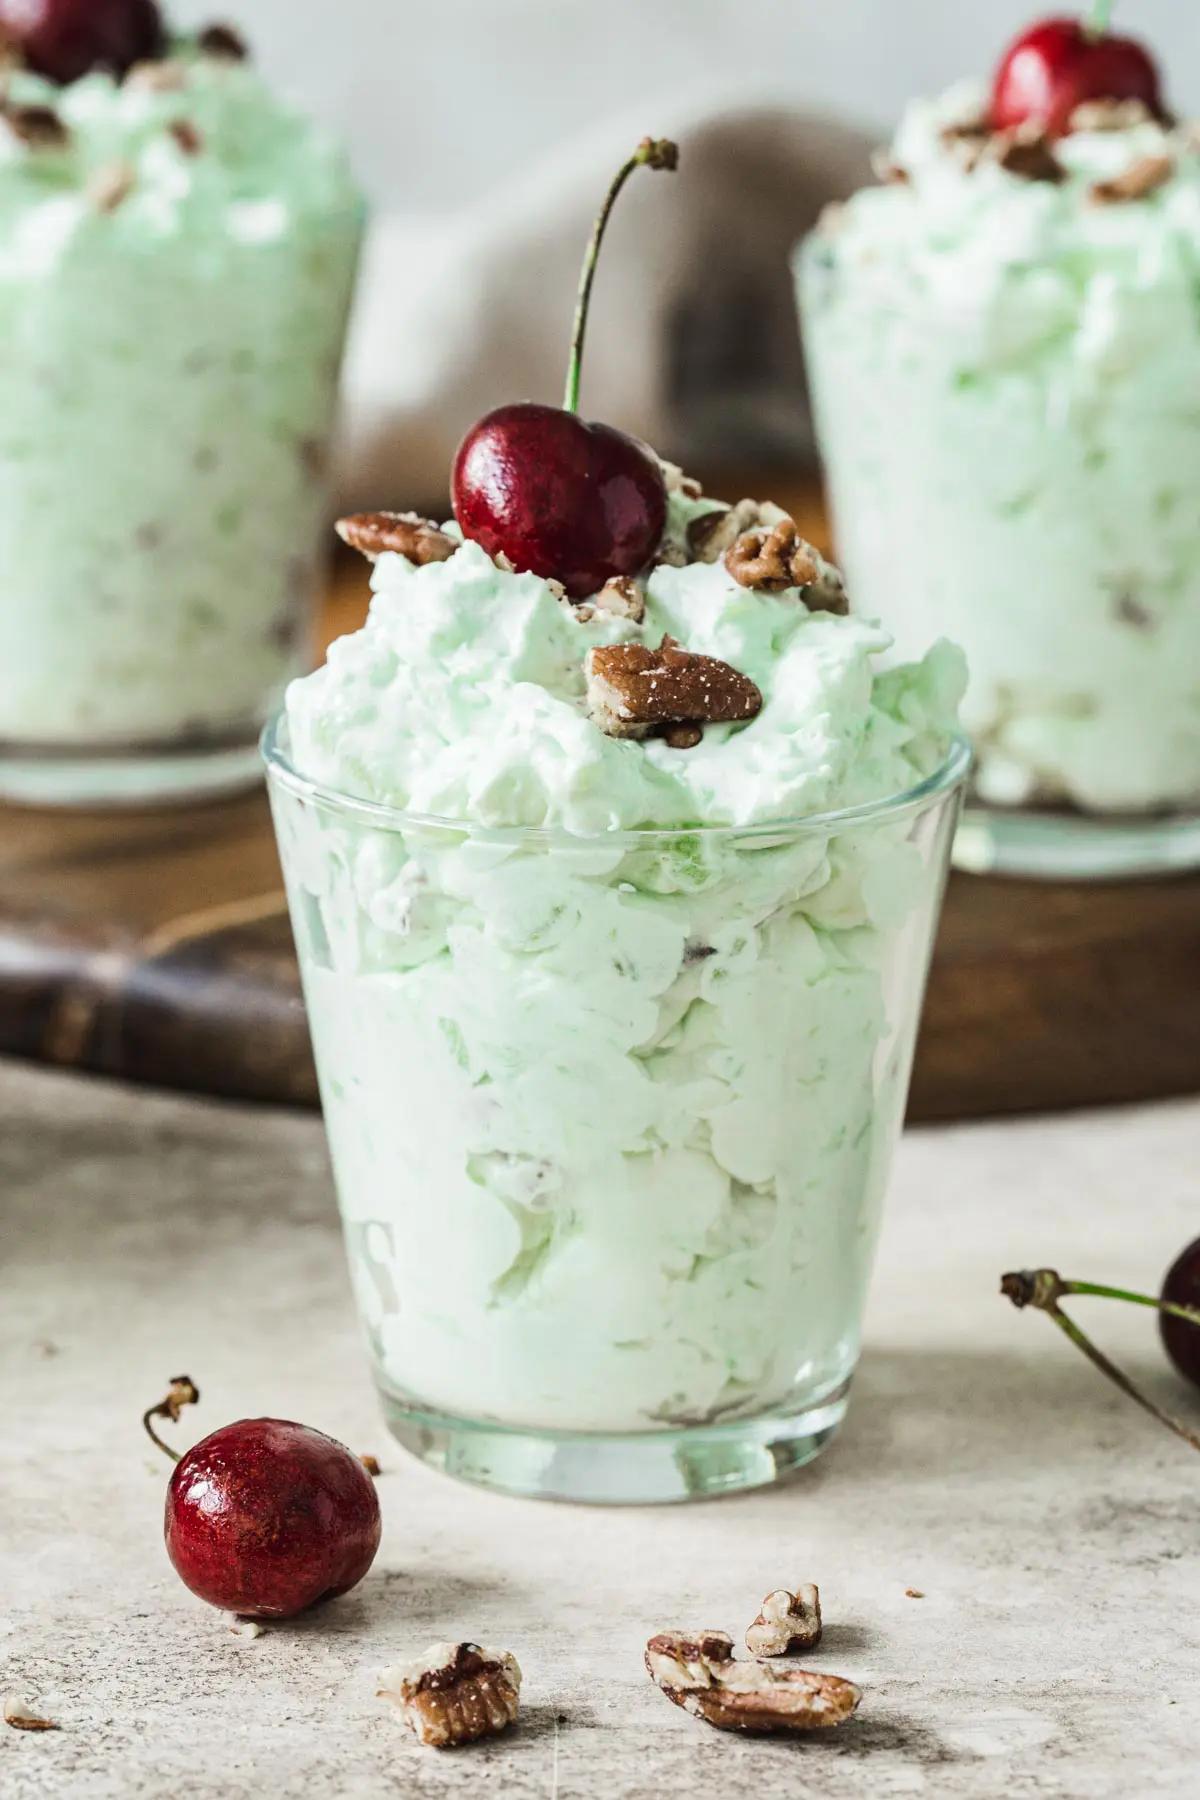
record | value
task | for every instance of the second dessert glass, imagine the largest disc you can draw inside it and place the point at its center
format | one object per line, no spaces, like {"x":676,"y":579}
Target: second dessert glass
{"x":1006,"y":377}
{"x":611,"y":1119}
{"x":179,"y":258}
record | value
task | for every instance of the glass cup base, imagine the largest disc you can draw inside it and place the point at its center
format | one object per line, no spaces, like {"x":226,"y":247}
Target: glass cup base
{"x":1053,"y":846}
{"x":158,"y":775}
{"x":620,"y":1469}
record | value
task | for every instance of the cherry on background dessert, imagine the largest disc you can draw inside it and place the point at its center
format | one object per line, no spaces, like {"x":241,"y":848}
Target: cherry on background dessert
{"x":1062,"y":63}
{"x":1181,"y":1338}
{"x":567,"y":500}
{"x":66,"y":39}
{"x":266,"y":1517}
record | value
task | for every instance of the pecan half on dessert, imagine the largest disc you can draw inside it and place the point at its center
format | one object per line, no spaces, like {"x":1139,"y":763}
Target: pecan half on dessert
{"x":405,"y":534}
{"x":633,"y":691}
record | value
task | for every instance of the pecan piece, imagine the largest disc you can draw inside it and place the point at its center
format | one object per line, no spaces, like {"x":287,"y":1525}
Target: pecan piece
{"x":1028,"y":153}
{"x":167,"y":77}
{"x":1110,"y":115}
{"x":698,"y":1672}
{"x":223,"y":43}
{"x":455,"y":1693}
{"x":787,"y":1624}
{"x":188,"y":136}
{"x":37,"y":127}
{"x":109,"y":186}
{"x":406,"y":534}
{"x":22,"y":1718}
{"x":1143,"y":177}
{"x":709,"y":536}
{"x":633,"y":690}
{"x":967,"y":140}
{"x":621,"y":598}
{"x":772,"y":560}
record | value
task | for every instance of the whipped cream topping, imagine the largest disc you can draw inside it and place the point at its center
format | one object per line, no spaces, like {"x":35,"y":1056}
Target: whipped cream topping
{"x":1015,"y":266}
{"x":464,"y":697}
{"x":208,"y":147}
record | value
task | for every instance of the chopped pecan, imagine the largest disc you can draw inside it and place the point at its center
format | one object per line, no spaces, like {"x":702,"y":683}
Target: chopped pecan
{"x":1143,"y":177}
{"x":621,"y":598}
{"x":679,"y":483}
{"x":633,"y":690}
{"x":110,"y":185}
{"x":773,"y":559}
{"x":189,"y":137}
{"x":1028,"y":153}
{"x":22,"y":1718}
{"x":698,"y":1672}
{"x":1110,"y":115}
{"x":787,"y":1624}
{"x":967,"y":140}
{"x":455,"y":1693}
{"x":890,"y":173}
{"x":405,"y":534}
{"x":37,"y":127}
{"x":683,"y":737}
{"x":224,"y":43}
{"x":167,"y":77}
{"x":712,"y":533}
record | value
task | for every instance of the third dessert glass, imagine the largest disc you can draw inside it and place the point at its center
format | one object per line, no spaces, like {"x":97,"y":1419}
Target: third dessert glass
{"x":1004,"y":347}
{"x":613,"y":952}
{"x":178,"y":257}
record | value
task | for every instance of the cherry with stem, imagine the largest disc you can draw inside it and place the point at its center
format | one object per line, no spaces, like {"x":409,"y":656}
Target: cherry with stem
{"x":551,"y":494}
{"x":1045,"y":1289}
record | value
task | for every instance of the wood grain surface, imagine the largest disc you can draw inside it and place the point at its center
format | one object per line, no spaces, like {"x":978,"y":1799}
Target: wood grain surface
{"x":155,"y":945}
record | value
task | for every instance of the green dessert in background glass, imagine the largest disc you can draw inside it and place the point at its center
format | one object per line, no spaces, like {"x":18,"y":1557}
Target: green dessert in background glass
{"x":177,"y":260}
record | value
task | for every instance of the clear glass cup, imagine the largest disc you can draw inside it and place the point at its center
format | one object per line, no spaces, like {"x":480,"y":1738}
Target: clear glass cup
{"x":1039,"y":508}
{"x":165,"y":429}
{"x":611,"y":1120}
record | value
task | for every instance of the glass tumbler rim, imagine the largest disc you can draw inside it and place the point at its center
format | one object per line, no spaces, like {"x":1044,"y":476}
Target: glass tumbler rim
{"x":950,"y":775}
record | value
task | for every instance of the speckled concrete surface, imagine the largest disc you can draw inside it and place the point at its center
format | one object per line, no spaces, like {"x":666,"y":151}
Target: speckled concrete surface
{"x":1050,"y":1526}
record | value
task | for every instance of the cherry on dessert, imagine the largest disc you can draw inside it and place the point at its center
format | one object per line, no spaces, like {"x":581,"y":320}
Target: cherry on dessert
{"x":65,"y":39}
{"x":1181,"y":1340}
{"x":266,"y":1517}
{"x":573,"y":502}
{"x":1060,"y":64}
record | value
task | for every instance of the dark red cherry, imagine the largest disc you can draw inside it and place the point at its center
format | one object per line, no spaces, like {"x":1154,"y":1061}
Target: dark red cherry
{"x":1182,"y":1287}
{"x":1059,"y":64}
{"x":572,"y":502}
{"x":64,"y":39}
{"x":265,"y":1518}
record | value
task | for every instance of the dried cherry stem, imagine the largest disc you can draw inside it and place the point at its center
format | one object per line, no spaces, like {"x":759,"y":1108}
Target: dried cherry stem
{"x":182,"y":1392}
{"x":1097,"y":26}
{"x":651,"y":153}
{"x":1043,"y":1289}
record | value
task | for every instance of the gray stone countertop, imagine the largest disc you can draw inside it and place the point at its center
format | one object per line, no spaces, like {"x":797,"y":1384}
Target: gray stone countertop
{"x":1050,"y":1527}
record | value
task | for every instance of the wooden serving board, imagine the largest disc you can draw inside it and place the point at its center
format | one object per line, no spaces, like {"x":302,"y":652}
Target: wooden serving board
{"x":155,"y":946}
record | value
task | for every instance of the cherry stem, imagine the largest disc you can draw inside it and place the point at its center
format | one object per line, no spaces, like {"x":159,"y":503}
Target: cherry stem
{"x":1101,"y":14}
{"x":1043,"y":1289}
{"x":652,"y":153}
{"x":182,"y":1392}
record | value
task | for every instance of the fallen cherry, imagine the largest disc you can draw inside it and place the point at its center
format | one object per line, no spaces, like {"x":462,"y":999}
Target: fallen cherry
{"x":573,"y":502}
{"x":1181,"y":1339}
{"x":266,"y":1517}
{"x":1060,"y":64}
{"x":65,"y":39}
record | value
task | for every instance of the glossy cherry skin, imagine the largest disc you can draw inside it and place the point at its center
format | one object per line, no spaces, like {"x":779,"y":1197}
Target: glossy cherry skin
{"x":64,"y":39}
{"x":1181,"y":1340}
{"x":264,"y":1518}
{"x":572,"y":502}
{"x":1058,"y":64}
